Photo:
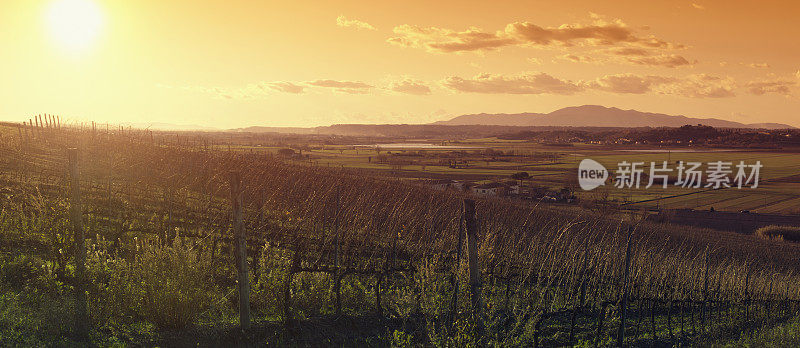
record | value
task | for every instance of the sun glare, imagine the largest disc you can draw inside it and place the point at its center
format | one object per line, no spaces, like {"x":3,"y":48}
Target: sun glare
{"x":74,"y":24}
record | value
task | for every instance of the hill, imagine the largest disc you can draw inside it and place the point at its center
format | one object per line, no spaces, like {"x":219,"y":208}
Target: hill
{"x":598,"y":116}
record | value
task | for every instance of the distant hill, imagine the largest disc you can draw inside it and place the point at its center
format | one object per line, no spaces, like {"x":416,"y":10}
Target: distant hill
{"x":169,"y":126}
{"x":292,"y":130}
{"x":598,"y":116}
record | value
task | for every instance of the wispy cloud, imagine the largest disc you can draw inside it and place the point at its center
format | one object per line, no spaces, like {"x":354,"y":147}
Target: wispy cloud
{"x":758,"y":65}
{"x":600,"y":32}
{"x":771,"y":86}
{"x":286,"y":87}
{"x":528,"y":83}
{"x":692,"y":86}
{"x":579,"y":58}
{"x":410,"y":86}
{"x":531,"y":83}
{"x":698,"y":6}
{"x":342,"y":21}
{"x":350,"y":87}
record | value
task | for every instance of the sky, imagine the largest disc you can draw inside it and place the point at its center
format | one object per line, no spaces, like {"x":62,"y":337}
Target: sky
{"x":236,"y":63}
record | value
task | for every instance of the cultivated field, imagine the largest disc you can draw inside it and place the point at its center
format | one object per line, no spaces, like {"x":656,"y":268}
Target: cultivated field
{"x":556,"y":167}
{"x":190,"y":243}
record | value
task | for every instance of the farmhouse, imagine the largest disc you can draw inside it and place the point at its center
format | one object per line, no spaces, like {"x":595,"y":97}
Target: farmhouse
{"x":491,"y":189}
{"x":447,"y":184}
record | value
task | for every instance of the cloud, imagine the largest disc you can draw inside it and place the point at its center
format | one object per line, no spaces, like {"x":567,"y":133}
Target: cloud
{"x":666,"y":60}
{"x":528,"y":83}
{"x":531,"y":83}
{"x":642,"y":56}
{"x":701,"y":86}
{"x":629,"y":83}
{"x":286,"y":87}
{"x":776,"y":86}
{"x":758,"y":65}
{"x":630,"y":51}
{"x":579,"y":58}
{"x":692,"y":86}
{"x":410,"y":86}
{"x":599,"y":33}
{"x":342,"y":21}
{"x":538,"y":61}
{"x":435,"y":39}
{"x":699,"y":7}
{"x":350,"y":87}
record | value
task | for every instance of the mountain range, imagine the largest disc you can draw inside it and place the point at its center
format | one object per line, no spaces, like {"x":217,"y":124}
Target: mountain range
{"x":598,"y":116}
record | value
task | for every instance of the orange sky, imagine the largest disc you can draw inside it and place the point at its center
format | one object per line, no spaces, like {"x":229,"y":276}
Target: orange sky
{"x":292,"y":63}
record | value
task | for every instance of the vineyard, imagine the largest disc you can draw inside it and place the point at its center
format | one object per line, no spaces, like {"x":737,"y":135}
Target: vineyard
{"x":150,"y":238}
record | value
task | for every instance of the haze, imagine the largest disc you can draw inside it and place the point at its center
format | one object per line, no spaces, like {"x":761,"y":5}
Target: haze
{"x":296,"y":63}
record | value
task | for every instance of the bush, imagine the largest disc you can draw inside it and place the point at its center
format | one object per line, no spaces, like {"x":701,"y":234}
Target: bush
{"x":783,"y":233}
{"x":267,"y":289}
{"x":20,"y":270}
{"x":169,"y":286}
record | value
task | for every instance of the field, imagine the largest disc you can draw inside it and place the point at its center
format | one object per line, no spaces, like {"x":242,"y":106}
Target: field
{"x":556,"y":166}
{"x":191,"y":244}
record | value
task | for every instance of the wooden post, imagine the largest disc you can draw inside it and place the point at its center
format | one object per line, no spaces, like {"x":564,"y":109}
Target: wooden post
{"x":624,"y":300}
{"x":337,"y":285}
{"x":471,"y":225}
{"x":601,"y":316}
{"x":705,"y":293}
{"x":653,"y":308}
{"x":81,"y":311}
{"x":456,"y":270}
{"x":287,"y":289}
{"x":378,"y":306}
{"x":241,"y":251}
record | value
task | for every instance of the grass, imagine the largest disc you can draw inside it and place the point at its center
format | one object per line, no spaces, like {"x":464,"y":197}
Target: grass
{"x":783,"y":233}
{"x":782,"y":335}
{"x":146,"y":289}
{"x":776,"y":165}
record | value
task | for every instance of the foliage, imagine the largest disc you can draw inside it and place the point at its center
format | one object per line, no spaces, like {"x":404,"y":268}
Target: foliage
{"x":169,"y":285}
{"x":784,"y":233}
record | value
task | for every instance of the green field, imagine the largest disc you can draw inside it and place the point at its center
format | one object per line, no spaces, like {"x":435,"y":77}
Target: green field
{"x":774,"y":194}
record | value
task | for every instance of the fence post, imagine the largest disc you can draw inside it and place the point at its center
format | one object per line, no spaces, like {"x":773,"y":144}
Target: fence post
{"x":456,"y":269}
{"x":81,"y":311}
{"x":337,"y":286}
{"x":241,"y":251}
{"x":624,"y":300}
{"x":705,"y":294}
{"x":287,"y":289}
{"x":471,"y":225}
{"x":378,"y":307}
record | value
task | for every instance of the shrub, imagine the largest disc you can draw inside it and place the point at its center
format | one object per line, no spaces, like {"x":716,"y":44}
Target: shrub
{"x":783,"y":233}
{"x":267,"y":289}
{"x":20,"y":270}
{"x":169,"y":286}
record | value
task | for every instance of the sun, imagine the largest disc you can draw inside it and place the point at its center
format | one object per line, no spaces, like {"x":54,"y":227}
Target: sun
{"x":74,"y":24}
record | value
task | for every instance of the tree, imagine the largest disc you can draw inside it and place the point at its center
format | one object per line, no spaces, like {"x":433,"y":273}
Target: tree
{"x":520,"y":176}
{"x":286,"y":152}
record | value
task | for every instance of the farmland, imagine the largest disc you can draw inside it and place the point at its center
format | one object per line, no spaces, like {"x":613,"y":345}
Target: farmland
{"x":556,"y":166}
{"x":353,"y":254}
